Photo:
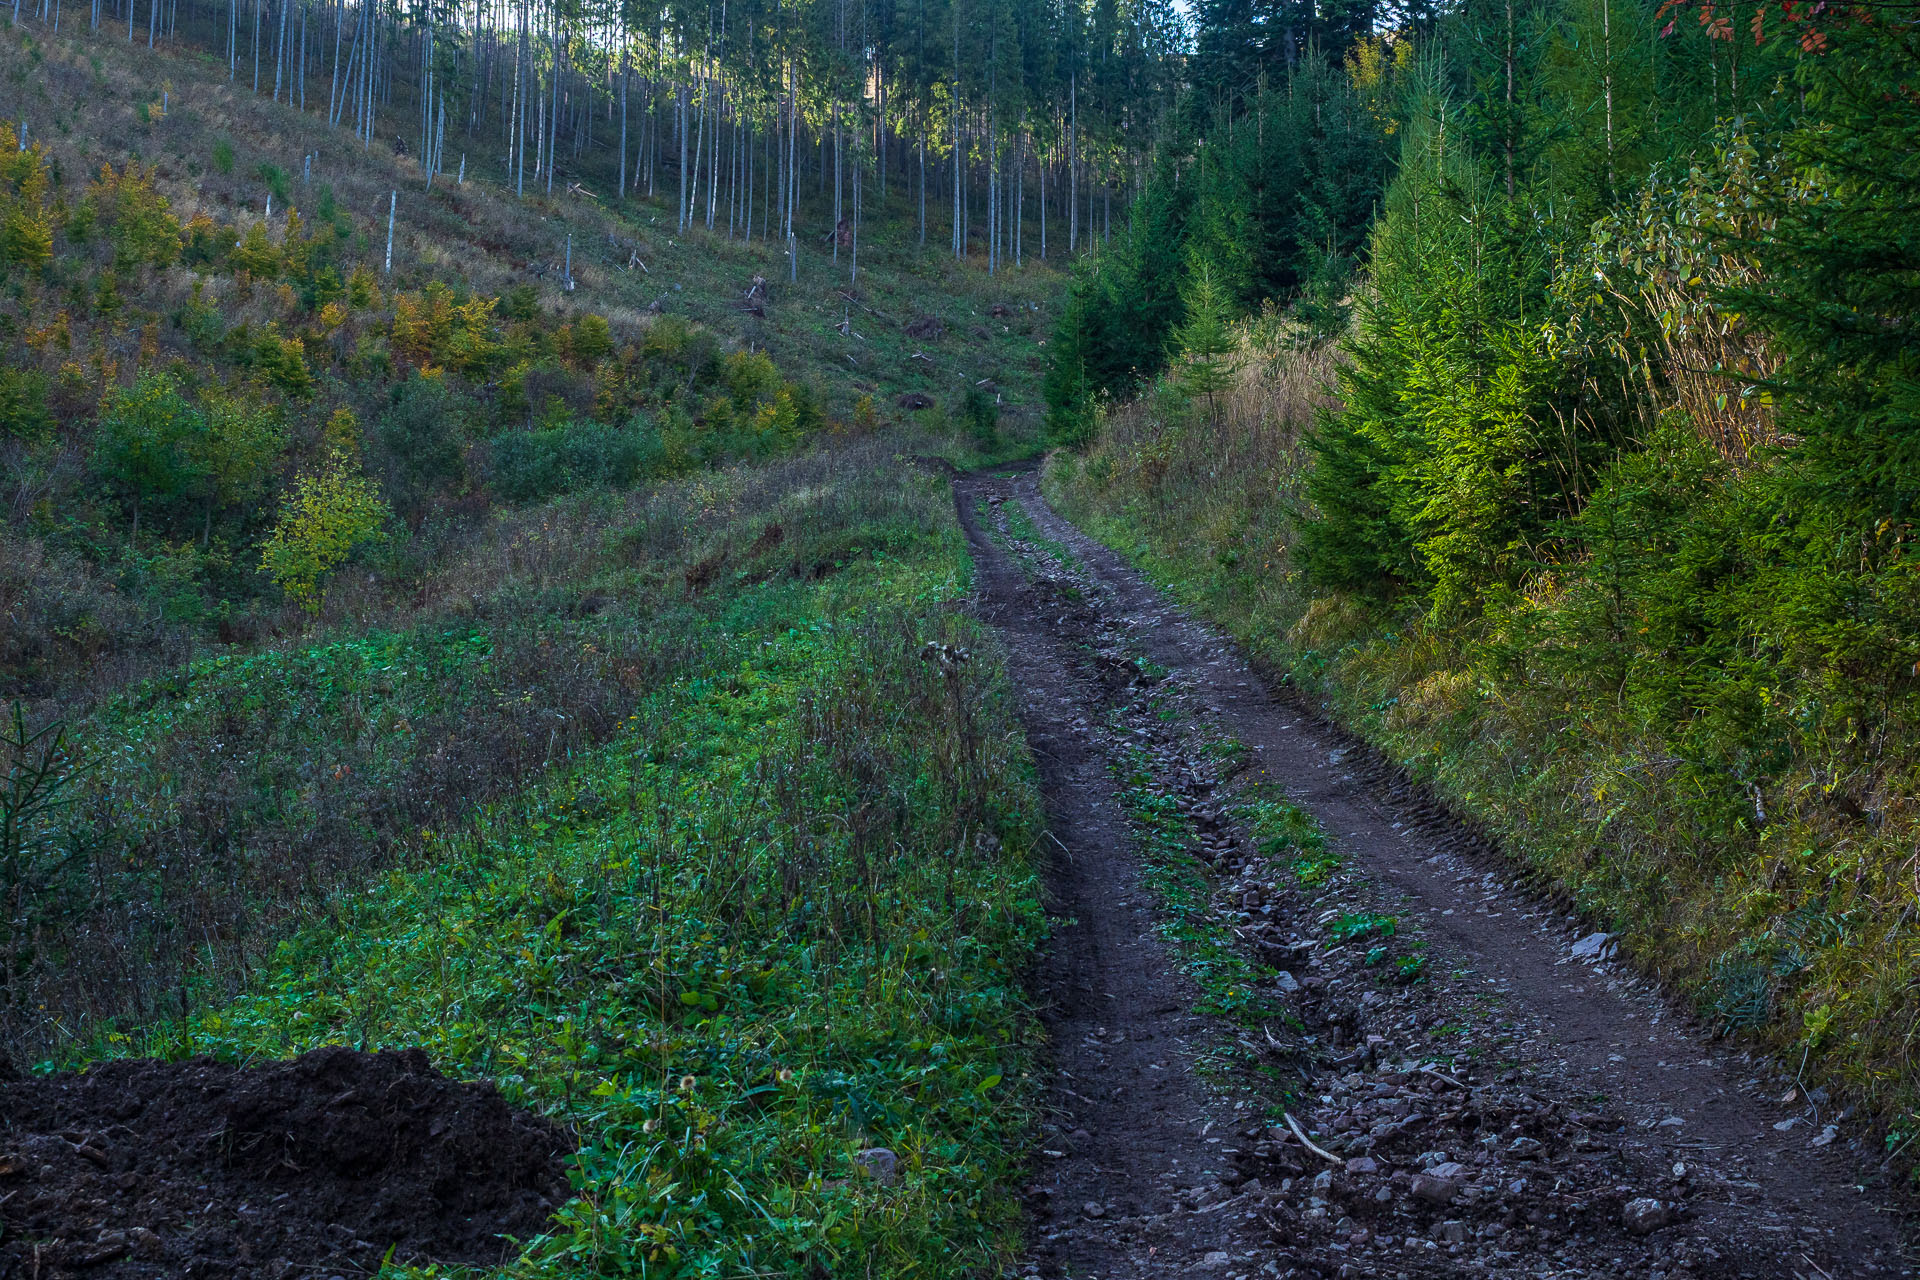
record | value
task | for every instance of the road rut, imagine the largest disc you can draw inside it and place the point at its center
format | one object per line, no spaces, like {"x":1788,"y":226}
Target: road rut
{"x":1520,"y":1111}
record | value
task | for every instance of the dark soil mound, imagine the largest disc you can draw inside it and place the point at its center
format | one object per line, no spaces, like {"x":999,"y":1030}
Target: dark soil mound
{"x":311,"y":1167}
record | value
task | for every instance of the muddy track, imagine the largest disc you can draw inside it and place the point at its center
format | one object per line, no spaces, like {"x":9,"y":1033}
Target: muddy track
{"x":1519,"y":1106}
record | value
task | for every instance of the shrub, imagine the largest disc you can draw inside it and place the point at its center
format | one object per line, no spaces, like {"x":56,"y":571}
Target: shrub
{"x":276,"y":180}
{"x":223,"y":155}
{"x":328,"y":514}
{"x":520,"y":303}
{"x":256,"y":258}
{"x":23,"y":405}
{"x":147,"y":443}
{"x":981,"y":414}
{"x":531,"y":465}
{"x":590,"y":340}
{"x":422,"y":435}
{"x":26,"y":224}
{"x":137,"y":218}
{"x":283,"y":363}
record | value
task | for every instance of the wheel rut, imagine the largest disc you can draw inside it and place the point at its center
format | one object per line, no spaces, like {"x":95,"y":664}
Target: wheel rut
{"x":1432,"y":1079}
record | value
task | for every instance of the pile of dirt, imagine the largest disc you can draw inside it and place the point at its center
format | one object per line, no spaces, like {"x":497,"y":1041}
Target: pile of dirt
{"x":310,"y":1167}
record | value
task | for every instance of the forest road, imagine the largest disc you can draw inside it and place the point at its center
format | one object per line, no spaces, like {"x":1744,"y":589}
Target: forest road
{"x":1434,"y":1077}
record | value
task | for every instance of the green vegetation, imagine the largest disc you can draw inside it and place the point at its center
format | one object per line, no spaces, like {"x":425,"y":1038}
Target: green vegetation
{"x":1596,"y":516}
{"x":679,"y":945}
{"x":1231,"y":985}
{"x":1284,"y":831}
{"x":530,"y":641}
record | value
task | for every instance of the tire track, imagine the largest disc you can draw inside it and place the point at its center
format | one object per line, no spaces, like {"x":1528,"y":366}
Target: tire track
{"x":1614,"y":1103}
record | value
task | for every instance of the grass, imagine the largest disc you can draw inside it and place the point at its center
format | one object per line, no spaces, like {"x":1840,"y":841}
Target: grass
{"x":688,"y":807}
{"x":168,"y":264}
{"x":1231,"y":984}
{"x":1797,"y":931}
{"x":234,"y":761}
{"x":779,"y":915}
{"x":213,"y":806}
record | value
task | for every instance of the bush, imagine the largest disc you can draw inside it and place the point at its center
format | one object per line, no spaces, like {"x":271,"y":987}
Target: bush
{"x":423,"y":434}
{"x":328,"y":514}
{"x":277,"y":181}
{"x":23,"y":405}
{"x":981,"y":414}
{"x":521,"y":302}
{"x":147,"y":443}
{"x":531,"y":465}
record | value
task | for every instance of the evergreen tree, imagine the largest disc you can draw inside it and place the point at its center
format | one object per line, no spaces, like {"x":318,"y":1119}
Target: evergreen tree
{"x":1842,"y":287}
{"x":1205,"y":341}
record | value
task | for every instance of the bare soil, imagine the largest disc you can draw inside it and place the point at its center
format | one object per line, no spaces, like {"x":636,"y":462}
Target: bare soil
{"x":313,"y":1167}
{"x":1516,"y":1107}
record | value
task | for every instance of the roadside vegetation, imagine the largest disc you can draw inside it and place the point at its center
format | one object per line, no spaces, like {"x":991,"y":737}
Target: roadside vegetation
{"x":1591,"y":505}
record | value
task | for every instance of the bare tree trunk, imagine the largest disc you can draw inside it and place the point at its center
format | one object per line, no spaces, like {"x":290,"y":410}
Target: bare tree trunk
{"x":553,"y":113}
{"x":682,"y":96}
{"x":333,"y":95}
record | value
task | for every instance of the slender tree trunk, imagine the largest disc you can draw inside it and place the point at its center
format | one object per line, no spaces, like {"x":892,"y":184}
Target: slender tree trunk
{"x":683,"y":157}
{"x":333,"y":94}
{"x":553,"y":113}
{"x":959,"y":209}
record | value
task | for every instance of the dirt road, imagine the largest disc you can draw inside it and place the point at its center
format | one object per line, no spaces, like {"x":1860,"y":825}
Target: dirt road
{"x":1430,"y":1073}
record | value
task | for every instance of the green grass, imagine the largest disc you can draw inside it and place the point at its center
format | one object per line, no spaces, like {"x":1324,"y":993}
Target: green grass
{"x":693,"y":813}
{"x":1232,"y":985}
{"x":780,"y":915}
{"x":1284,"y":832}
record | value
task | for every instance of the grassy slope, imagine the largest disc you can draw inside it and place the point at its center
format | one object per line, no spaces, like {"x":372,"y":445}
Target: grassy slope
{"x":93,"y":98}
{"x":695,"y":815}
{"x":1575,"y":790}
{"x":97,"y":609}
{"x":778,"y":917}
